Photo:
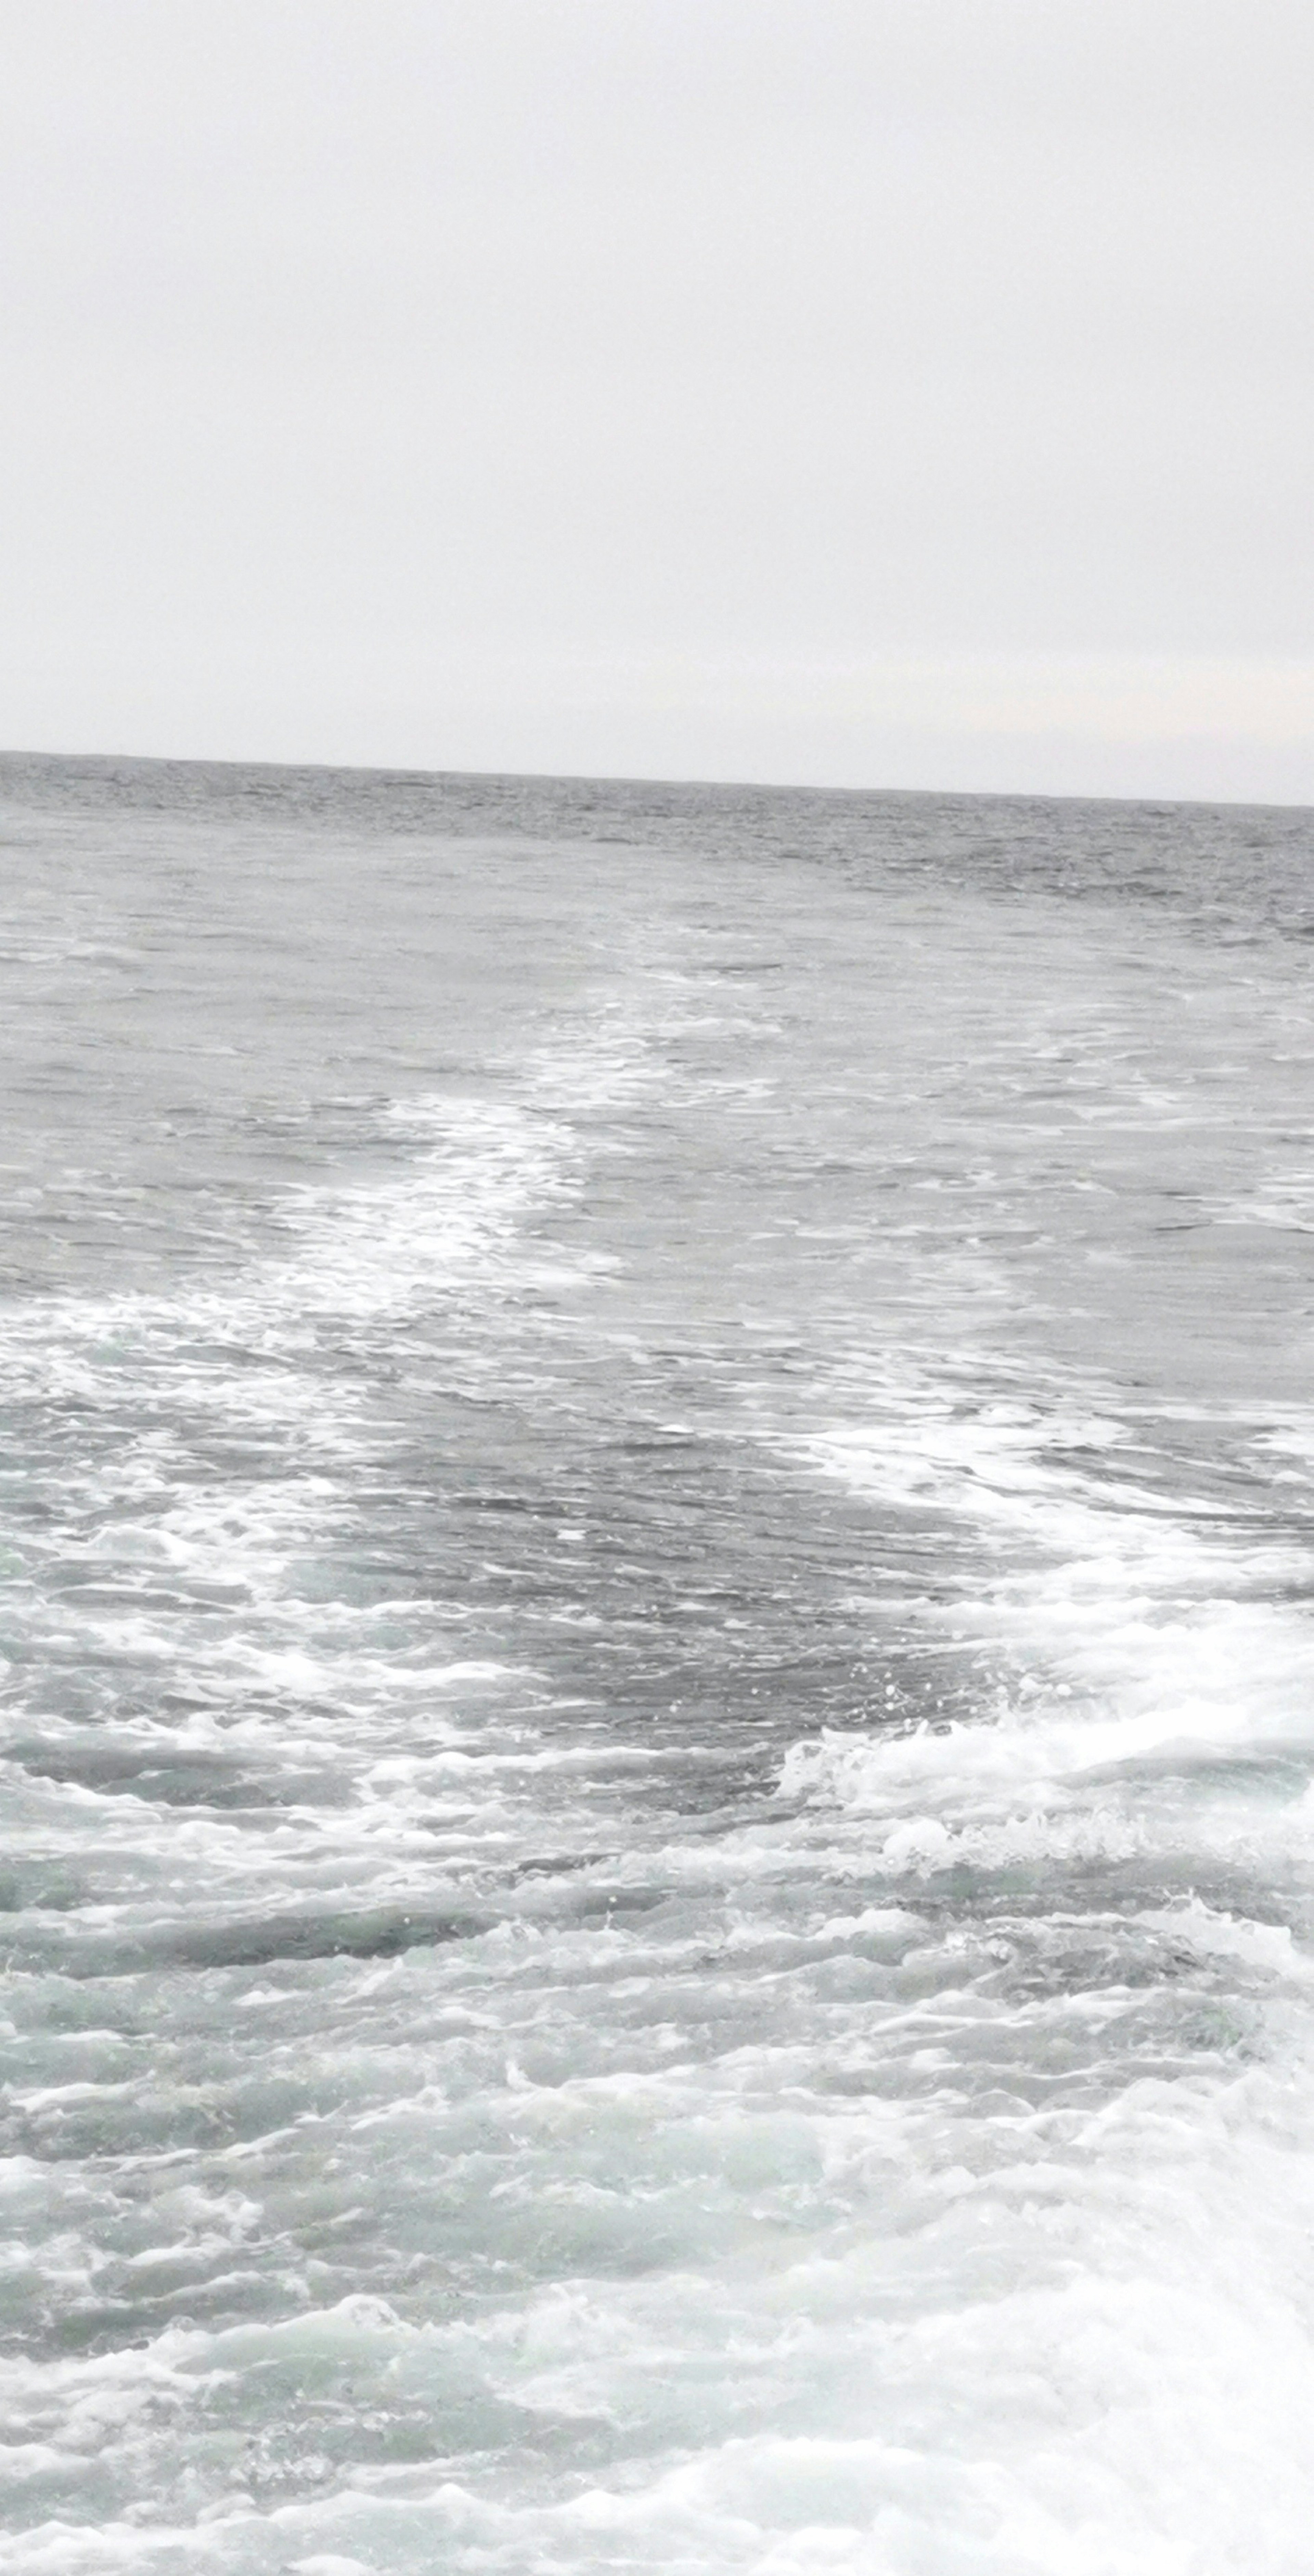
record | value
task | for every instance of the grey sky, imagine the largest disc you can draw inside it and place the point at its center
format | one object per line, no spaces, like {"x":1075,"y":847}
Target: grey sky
{"x":889,"y":392}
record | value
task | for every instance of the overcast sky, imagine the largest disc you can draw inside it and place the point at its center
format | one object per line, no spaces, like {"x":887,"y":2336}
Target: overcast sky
{"x":874,"y":392}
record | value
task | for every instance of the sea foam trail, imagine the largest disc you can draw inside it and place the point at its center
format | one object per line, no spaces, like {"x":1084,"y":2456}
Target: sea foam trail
{"x":981,"y":2177}
{"x":1141,"y":1642}
{"x":657,"y":1746}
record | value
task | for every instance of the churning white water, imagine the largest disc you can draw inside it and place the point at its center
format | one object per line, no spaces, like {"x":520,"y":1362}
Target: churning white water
{"x":659,"y":1688}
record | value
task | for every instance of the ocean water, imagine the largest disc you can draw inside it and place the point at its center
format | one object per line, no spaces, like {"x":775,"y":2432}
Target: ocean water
{"x":658,"y":1729}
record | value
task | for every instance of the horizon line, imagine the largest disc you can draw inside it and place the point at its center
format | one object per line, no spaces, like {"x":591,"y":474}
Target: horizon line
{"x":636,"y":779}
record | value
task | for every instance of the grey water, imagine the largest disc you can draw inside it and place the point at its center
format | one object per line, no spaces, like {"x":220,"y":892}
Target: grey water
{"x":658,"y":1685}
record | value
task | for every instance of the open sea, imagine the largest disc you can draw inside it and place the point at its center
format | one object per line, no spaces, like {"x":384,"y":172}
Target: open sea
{"x":658,"y":1680}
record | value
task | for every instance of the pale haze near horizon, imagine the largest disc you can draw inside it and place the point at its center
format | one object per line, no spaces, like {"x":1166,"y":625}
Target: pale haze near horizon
{"x":877,"y":395}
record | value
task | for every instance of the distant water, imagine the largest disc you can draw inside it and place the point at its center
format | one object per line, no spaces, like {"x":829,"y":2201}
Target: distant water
{"x":659,"y":1707}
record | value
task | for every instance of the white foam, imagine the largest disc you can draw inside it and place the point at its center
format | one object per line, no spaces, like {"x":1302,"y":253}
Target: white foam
{"x":810,"y":2217}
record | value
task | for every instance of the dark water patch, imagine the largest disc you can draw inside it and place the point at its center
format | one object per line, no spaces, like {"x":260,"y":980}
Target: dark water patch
{"x":618,"y":1901}
{"x":1258,"y":1771}
{"x":259,"y":1941}
{"x":973,"y":1894}
{"x":382,"y":1933}
{"x":559,"y":1863}
{"x":175,"y":1779}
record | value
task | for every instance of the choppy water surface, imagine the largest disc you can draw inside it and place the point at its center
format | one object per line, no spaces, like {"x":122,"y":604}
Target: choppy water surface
{"x":658,"y":1731}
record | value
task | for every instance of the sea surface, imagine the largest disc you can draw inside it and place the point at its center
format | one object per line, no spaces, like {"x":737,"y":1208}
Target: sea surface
{"x":658,"y":1720}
